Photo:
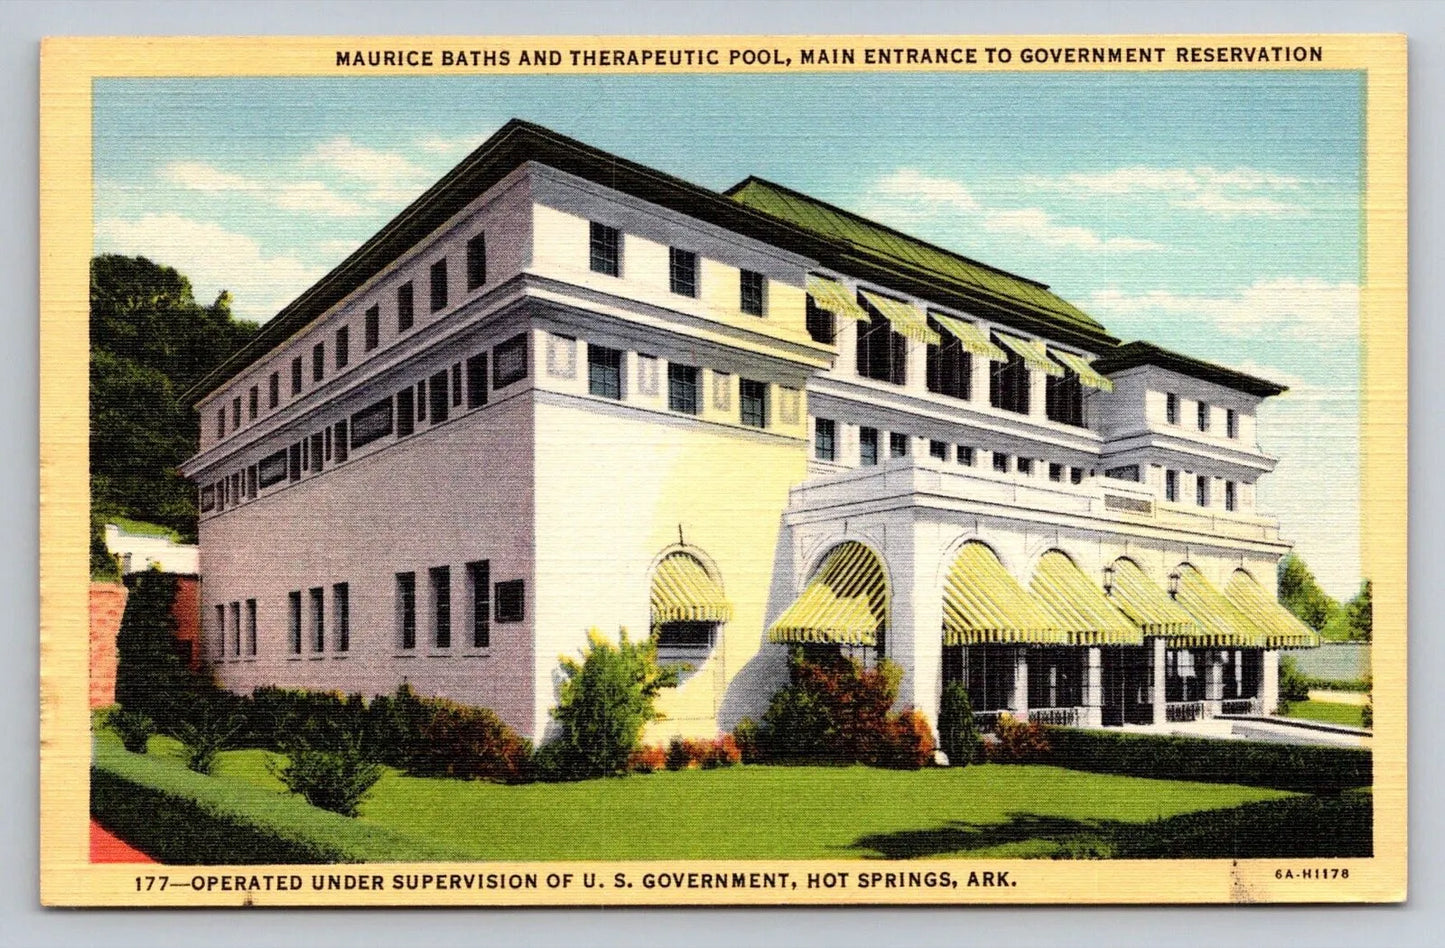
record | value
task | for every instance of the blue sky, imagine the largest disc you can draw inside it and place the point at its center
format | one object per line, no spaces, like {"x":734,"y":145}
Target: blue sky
{"x":1217,"y":214}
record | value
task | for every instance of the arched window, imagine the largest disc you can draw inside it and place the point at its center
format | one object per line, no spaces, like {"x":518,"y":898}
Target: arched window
{"x":688,"y":608}
{"x":843,"y":607}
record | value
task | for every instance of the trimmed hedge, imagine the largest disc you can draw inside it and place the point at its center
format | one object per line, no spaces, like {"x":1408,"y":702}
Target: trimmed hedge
{"x":1299,"y":767}
{"x":182,"y":818}
{"x":1309,"y":827}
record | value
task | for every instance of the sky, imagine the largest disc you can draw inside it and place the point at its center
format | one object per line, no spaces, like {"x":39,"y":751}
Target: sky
{"x":1215,"y":214}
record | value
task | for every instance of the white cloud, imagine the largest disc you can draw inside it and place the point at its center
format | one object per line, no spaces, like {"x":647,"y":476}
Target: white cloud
{"x":213,"y":258}
{"x":1039,"y":226}
{"x":1228,"y":193}
{"x":908,"y":184}
{"x":388,"y":176}
{"x":1292,"y":307}
{"x":312,"y":197}
{"x":437,"y":145}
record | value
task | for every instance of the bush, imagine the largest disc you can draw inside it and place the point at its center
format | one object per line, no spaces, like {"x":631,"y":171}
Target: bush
{"x":722,"y":751}
{"x":647,"y":760}
{"x":907,"y":742}
{"x":1367,"y":714}
{"x":332,"y":780}
{"x":1293,"y":686}
{"x":133,"y":728}
{"x":957,"y":730}
{"x":283,"y":718}
{"x":604,"y":702}
{"x":746,"y":735}
{"x":469,"y":743}
{"x":1019,"y":742}
{"x":681,"y":754}
{"x":151,"y":677}
{"x":212,"y":729}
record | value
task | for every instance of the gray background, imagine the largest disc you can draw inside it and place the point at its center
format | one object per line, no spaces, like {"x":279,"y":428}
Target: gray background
{"x":22,"y":922}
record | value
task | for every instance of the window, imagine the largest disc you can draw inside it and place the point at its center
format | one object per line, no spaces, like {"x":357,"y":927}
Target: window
{"x":1076,"y":475}
{"x":949,"y":367}
{"x":318,"y":362}
{"x":421,"y":400}
{"x":1171,"y":408}
{"x":752,"y":292}
{"x":317,"y":447}
{"x":327,"y":432}
{"x":371,"y":332}
{"x":682,"y":272}
{"x":825,"y":439}
{"x":1201,"y":490}
{"x":236,"y":494}
{"x":964,"y":453}
{"x":897,"y":445}
{"x":250,"y":627}
{"x":294,"y":467}
{"x":318,"y":619}
{"x":1128,"y":472}
{"x":477,"y":380}
{"x":1171,"y":486}
{"x":405,"y":408}
{"x":1203,"y":416}
{"x":235,"y":412}
{"x":440,"y":400}
{"x":938,"y":449}
{"x":476,"y":261}
{"x":753,"y":402}
{"x":1231,"y":423}
{"x":343,"y":346}
{"x":220,"y":423}
{"x":604,"y":371}
{"x":682,"y":388}
{"x":405,"y":300}
{"x":820,"y":323}
{"x":220,"y":648}
{"x":273,"y":468}
{"x":294,"y":613}
{"x":406,"y":608}
{"x":1056,"y":472}
{"x":1230,"y":500}
{"x":441,"y":605}
{"x":1008,"y":383}
{"x":605,"y":250}
{"x":208,"y":498}
{"x":341,"y":609}
{"x":882,"y":353}
{"x":340,"y":441}
{"x":296,"y":376}
{"x":236,"y":629}
{"x":372,"y":422}
{"x":511,"y":601}
{"x":1000,"y":462}
{"x":273,"y":394}
{"x":1064,"y":398}
{"x":253,"y":408}
{"x":456,"y":384}
{"x":868,"y":446}
{"x":252,"y":480}
{"x":510,"y":361}
{"x":479,"y":583}
{"x":1026,"y":465}
{"x":439,"y":285}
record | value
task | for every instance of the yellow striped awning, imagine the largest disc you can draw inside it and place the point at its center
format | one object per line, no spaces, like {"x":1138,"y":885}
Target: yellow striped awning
{"x":682,"y":591}
{"x":1149,"y":607}
{"x":835,"y":298}
{"x":982,"y":603}
{"x":1281,"y":628}
{"x":1086,"y":372}
{"x":1222,"y":622}
{"x":845,"y":604}
{"x":973,"y":339}
{"x":907,"y":319}
{"x":1034,"y":354}
{"x":1078,"y":605}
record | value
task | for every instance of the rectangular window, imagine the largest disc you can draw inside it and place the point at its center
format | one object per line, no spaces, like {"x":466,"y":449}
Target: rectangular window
{"x":371,"y":333}
{"x":964,"y":454}
{"x":294,"y":467}
{"x":405,"y":412}
{"x":604,"y":371}
{"x":208,"y":497}
{"x":752,"y":292}
{"x":1076,"y":475}
{"x":327,"y":431}
{"x":1064,"y":399}
{"x":1231,"y":501}
{"x":605,"y":246}
{"x":318,"y":362}
{"x":897,"y":445}
{"x":220,"y":647}
{"x":440,"y":399}
{"x":405,"y":300}
{"x":252,"y":481}
{"x":441,"y":605}
{"x":236,"y":629}
{"x":938,"y":449}
{"x":682,"y":272}
{"x":1201,"y":490}
{"x":1000,"y":462}
{"x":371,"y":423}
{"x":250,"y":627}
{"x":1171,"y":486}
{"x":294,"y":617}
{"x":1126,"y":472}
{"x":406,"y":608}
{"x":343,"y":346}
{"x":1203,"y":416}
{"x":825,"y":439}
{"x":439,"y":285}
{"x":236,"y":487}
{"x":253,"y":407}
{"x":318,"y":619}
{"x":1056,"y":472}
{"x":273,"y":394}
{"x":682,"y":388}
{"x":868,"y":446}
{"x":753,"y":402}
{"x":882,"y":353}
{"x":235,"y":412}
{"x":1171,"y":408}
{"x":949,"y":367}
{"x":296,"y":376}
{"x":273,"y":468}
{"x":509,"y":361}
{"x":220,"y":423}
{"x":1231,"y":423}
{"x":318,"y":445}
{"x":340,"y":441}
{"x":1008,"y":383}
{"x":479,"y":593}
{"x":1026,"y":465}
{"x":476,"y":261}
{"x":511,"y":601}
{"x":456,"y":385}
{"x":341,"y":611}
{"x":477,"y":380}
{"x":820,"y":323}
{"x":421,"y":400}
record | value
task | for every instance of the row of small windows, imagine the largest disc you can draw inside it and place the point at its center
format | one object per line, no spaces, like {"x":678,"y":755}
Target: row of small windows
{"x":605,"y":256}
{"x":435,"y":397}
{"x":825,"y":448}
{"x":1202,"y":494}
{"x":371,"y":336}
{"x":604,"y":379}
{"x":485,"y":603}
{"x":1202,"y":416}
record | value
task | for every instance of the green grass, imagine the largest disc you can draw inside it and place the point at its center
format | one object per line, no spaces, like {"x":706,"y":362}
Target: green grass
{"x":1329,"y":712}
{"x":144,"y":529}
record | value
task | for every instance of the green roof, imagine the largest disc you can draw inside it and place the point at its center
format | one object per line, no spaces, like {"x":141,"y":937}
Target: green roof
{"x":1134,"y":354}
{"x":917,"y":259}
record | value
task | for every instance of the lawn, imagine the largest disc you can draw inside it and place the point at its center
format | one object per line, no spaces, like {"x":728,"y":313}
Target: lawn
{"x":1330,"y":712}
{"x":780,"y":812}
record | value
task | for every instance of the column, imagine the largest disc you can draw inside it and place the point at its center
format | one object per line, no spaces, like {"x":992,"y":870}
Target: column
{"x":917,"y":621}
{"x":1038,"y":394}
{"x":1156,"y":692}
{"x":982,"y":370}
{"x":916,"y":365}
{"x":1093,"y":715}
{"x":1019,"y":704}
{"x":1213,"y":683}
{"x":1269,"y":683}
{"x":846,"y":340}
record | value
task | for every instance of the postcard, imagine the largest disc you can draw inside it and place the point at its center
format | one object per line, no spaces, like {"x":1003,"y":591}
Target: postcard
{"x":759,"y":470}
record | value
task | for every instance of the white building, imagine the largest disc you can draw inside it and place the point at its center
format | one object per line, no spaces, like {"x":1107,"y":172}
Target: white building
{"x":137,"y":552}
{"x":563,"y":391}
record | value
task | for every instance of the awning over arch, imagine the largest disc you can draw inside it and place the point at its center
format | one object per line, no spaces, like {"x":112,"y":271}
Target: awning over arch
{"x":982,"y":603}
{"x":846,"y":603}
{"x":1150,"y":608}
{"x":1222,"y":622}
{"x":1280,"y":626}
{"x":682,"y":591}
{"x":1078,"y":605}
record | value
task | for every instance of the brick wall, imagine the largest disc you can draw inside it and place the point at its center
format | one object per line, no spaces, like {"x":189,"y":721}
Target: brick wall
{"x":186,"y":609}
{"x":107,"y":605}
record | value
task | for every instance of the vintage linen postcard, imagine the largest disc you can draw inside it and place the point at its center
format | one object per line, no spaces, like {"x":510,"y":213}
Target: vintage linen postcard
{"x":723,"y":470}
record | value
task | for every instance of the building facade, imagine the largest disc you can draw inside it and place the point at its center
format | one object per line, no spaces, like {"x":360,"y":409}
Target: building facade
{"x":563,"y":391}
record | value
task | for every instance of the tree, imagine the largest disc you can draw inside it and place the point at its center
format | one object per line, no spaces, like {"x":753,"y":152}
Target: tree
{"x":151,"y":677}
{"x":1301,"y":594}
{"x":1360,"y":613}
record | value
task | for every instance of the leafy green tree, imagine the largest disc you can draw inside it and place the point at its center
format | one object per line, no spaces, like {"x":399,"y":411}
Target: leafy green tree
{"x":151,"y":677}
{"x":1360,"y":613}
{"x":1301,"y":594}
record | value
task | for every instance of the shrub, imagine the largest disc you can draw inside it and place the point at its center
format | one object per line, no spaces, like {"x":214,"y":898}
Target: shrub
{"x":746,"y":735}
{"x":907,"y":742}
{"x":151,"y":676}
{"x":469,"y":743}
{"x":1019,"y":742}
{"x":680,"y":754}
{"x":722,"y":751}
{"x":133,"y":728}
{"x":1293,"y":686}
{"x":284,"y":718}
{"x":647,"y":760}
{"x":604,"y":702}
{"x":332,"y":780}
{"x":1367,"y":714}
{"x":211,"y":729}
{"x":957,"y":729}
